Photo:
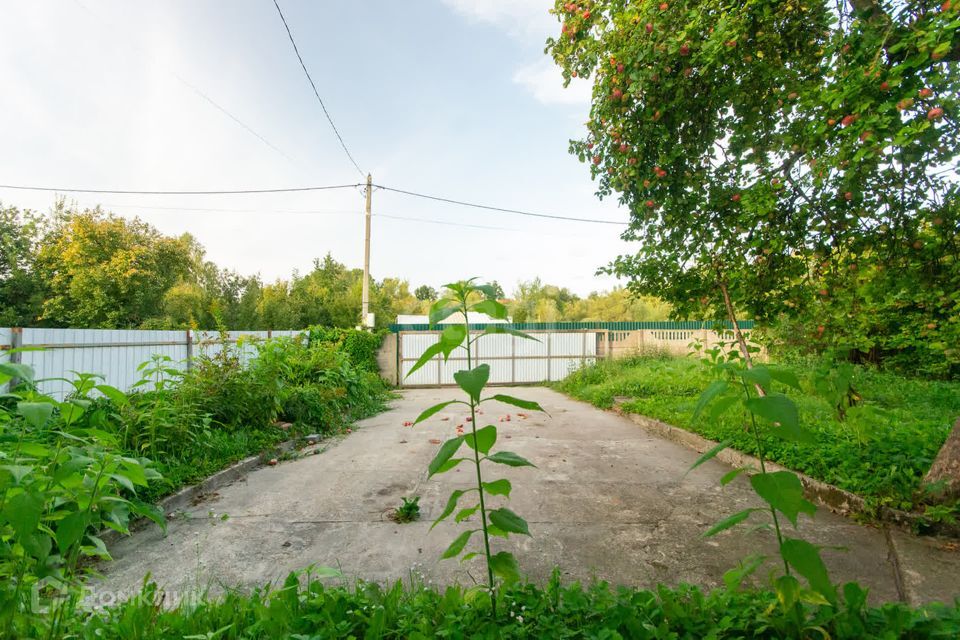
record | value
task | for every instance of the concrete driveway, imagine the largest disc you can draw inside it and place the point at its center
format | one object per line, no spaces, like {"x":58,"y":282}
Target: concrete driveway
{"x":608,"y":501}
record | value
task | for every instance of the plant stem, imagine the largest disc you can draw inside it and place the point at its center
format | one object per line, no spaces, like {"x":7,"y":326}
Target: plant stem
{"x":476,"y":462}
{"x":763,"y":469}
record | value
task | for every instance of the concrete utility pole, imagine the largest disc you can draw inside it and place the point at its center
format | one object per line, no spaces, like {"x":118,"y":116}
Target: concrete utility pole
{"x":365,"y":309}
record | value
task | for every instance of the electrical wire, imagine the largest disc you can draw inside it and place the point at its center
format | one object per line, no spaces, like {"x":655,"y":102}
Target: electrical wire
{"x":316,"y":93}
{"x":187,"y":84}
{"x":181,"y":193}
{"x":500,"y":209}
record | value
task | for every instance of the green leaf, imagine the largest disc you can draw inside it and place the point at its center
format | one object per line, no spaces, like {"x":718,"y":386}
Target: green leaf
{"x":492,"y":329}
{"x":447,"y":449}
{"x":710,"y":393}
{"x":124,"y":481}
{"x":116,"y":396}
{"x":517,"y":402}
{"x":451,"y":338}
{"x":17,"y":370}
{"x":783,"y":491}
{"x":434,"y":410}
{"x":720,"y":406}
{"x":785,"y":376}
{"x":729,"y":476}
{"x":487,"y":289}
{"x":70,"y":412}
{"x":23,"y":512}
{"x":442,"y":309}
{"x":428,"y":354}
{"x":757,"y":375}
{"x":463,"y":514}
{"x":70,"y":529}
{"x":449,"y":464}
{"x":805,"y":558}
{"x":788,"y":591}
{"x":35,"y":413}
{"x":457,"y":545}
{"x":500,"y":487}
{"x":473,"y":381}
{"x":451,"y":505}
{"x":729,"y":521}
{"x":491,"y":308}
{"x":780,"y":409}
{"x":510,"y":459}
{"x":18,"y":471}
{"x":709,"y":455}
{"x":505,"y":566}
{"x":485,"y":439}
{"x":506,"y":520}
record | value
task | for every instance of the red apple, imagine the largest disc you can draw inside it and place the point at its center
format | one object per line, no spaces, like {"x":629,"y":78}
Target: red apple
{"x":735,"y":197}
{"x":848,"y":120}
{"x":664,"y":6}
{"x":596,"y":159}
{"x":649,"y":27}
{"x":884,"y":86}
{"x":926,"y":92}
{"x":935,"y":114}
{"x":684,"y":50}
{"x":650,"y":204}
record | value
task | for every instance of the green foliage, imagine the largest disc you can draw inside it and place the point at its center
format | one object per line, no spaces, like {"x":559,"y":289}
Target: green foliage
{"x":408,"y":511}
{"x":72,"y":469}
{"x":63,"y":480}
{"x":464,"y":298}
{"x":360,"y":346}
{"x":880,"y":450}
{"x":305,"y":608}
{"x":797,"y":156}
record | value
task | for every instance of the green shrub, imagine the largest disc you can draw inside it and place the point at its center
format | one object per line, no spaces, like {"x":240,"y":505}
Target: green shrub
{"x":313,"y":610}
{"x":881,"y":450}
{"x":360,"y":346}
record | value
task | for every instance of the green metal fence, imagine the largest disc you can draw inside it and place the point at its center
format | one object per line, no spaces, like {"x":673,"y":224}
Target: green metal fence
{"x":581,"y":326}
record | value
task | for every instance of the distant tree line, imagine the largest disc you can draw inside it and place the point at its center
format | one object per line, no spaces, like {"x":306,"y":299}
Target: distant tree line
{"x":91,"y":269}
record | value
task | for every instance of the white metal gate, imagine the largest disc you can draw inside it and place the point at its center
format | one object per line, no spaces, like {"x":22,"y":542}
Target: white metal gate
{"x":512,"y":360}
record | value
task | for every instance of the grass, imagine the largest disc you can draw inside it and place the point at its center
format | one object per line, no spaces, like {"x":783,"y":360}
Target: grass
{"x":881,"y":451}
{"x":308,"y":609}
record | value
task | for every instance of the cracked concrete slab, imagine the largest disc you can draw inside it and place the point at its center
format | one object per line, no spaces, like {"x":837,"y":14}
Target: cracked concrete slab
{"x":608,"y":500}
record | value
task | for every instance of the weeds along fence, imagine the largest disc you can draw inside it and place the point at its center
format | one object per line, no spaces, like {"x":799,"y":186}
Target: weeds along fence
{"x":115,"y":354}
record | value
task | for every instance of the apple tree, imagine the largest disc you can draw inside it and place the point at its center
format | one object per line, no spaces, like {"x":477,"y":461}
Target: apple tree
{"x":764,"y":147}
{"x":784,"y":159}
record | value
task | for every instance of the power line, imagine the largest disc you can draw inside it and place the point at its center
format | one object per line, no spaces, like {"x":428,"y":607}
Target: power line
{"x":313,"y":188}
{"x":500,"y":209}
{"x":181,"y":193}
{"x":444,"y":222}
{"x":316,"y":93}
{"x":189,"y":85}
{"x":249,"y":129}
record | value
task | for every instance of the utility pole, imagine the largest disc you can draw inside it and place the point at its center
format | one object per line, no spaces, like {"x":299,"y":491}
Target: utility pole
{"x":365,"y":306}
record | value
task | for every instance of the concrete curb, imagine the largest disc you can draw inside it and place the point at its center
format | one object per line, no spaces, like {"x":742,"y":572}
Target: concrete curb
{"x":833,"y":498}
{"x":188,"y":496}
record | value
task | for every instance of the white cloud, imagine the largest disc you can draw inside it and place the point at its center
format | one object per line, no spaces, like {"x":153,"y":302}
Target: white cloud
{"x":520,"y":18}
{"x":543,"y":79}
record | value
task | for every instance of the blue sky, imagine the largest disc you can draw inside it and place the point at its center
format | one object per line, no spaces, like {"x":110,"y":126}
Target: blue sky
{"x":447,"y":97}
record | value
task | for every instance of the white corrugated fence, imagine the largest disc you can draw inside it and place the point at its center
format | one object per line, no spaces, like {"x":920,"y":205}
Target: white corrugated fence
{"x":115,"y":354}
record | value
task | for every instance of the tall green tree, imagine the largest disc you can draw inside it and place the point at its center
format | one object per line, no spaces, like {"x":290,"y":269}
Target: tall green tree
{"x":104,"y":271}
{"x":21,"y":288}
{"x":764,"y":147}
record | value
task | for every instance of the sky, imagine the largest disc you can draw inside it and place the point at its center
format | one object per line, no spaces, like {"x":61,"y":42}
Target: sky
{"x":453,"y":98}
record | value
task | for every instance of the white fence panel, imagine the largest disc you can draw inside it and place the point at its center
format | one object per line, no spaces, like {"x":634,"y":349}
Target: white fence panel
{"x":512,"y":360}
{"x":115,"y":354}
{"x":112,"y":354}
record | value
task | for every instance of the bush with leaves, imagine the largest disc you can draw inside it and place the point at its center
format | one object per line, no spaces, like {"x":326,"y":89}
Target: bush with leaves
{"x":63,"y":480}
